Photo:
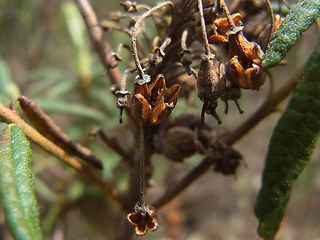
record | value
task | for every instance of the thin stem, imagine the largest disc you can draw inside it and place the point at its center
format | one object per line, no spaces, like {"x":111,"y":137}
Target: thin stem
{"x":13,"y":117}
{"x":114,"y":144}
{"x":135,"y":32}
{"x":225,"y":9}
{"x":142,"y":175}
{"x":203,"y":28}
{"x":272,"y":23}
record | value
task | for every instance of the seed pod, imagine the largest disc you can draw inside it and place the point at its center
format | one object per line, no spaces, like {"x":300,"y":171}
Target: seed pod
{"x":226,"y":159}
{"x":211,"y":83}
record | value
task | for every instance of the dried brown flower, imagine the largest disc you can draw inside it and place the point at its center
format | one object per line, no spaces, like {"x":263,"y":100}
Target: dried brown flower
{"x":144,"y":219}
{"x":244,"y":67}
{"x":153,"y":104}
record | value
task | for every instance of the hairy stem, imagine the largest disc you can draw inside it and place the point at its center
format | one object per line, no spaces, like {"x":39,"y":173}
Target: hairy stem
{"x":203,"y":28}
{"x":135,"y":32}
{"x":225,"y":9}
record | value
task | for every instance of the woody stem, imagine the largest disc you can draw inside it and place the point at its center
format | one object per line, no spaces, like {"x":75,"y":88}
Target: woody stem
{"x":135,"y":32}
{"x":203,"y":28}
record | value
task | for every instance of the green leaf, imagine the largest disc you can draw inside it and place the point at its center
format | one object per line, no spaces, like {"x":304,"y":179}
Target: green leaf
{"x":290,"y":149}
{"x":16,"y":184}
{"x":298,"y":20}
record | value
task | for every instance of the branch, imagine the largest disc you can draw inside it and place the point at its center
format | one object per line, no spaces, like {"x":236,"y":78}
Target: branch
{"x":266,"y":108}
{"x":95,"y":32}
{"x":177,"y":187}
{"x":13,"y":117}
{"x":114,"y":144}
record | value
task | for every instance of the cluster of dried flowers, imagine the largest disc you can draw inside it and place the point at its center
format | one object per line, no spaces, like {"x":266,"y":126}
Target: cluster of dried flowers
{"x":178,"y":65}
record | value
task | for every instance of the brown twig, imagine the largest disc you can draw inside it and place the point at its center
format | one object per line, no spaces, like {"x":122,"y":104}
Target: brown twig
{"x":113,"y":143}
{"x":264,"y":110}
{"x":175,"y":188}
{"x":13,"y":117}
{"x":95,"y":33}
{"x":47,"y":127}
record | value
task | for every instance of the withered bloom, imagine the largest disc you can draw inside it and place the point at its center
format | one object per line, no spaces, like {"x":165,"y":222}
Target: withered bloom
{"x":220,"y":29}
{"x":153,"y":104}
{"x":245,"y":65}
{"x":144,"y":219}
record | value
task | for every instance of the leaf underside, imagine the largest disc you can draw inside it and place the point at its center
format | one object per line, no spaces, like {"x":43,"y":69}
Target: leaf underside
{"x":298,"y":20}
{"x":16,"y":184}
{"x":290,"y":149}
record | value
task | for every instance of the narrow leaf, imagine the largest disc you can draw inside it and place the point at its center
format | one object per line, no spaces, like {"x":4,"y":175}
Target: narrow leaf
{"x":292,"y":143}
{"x":298,"y":20}
{"x":16,"y":184}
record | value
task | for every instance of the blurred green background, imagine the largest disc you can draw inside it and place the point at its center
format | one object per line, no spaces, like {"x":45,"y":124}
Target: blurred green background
{"x":45,"y":54}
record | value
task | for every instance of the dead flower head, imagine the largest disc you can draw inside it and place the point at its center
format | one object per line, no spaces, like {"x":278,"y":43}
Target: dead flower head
{"x":245,"y":66}
{"x":144,"y":219}
{"x":153,"y":104}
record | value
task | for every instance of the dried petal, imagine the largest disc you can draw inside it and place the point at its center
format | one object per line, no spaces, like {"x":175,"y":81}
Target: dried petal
{"x":250,"y":78}
{"x":221,"y":28}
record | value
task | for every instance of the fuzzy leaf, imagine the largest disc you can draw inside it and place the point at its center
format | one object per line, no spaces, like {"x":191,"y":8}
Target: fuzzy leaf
{"x":298,"y":20}
{"x":16,"y":184}
{"x":290,"y":149}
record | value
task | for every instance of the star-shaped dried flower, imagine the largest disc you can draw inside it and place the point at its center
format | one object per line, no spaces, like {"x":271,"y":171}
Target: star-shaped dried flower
{"x":153,"y":104}
{"x":144,"y":219}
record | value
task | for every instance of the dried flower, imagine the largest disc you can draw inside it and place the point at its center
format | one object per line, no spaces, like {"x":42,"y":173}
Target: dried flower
{"x":153,"y":104}
{"x":244,"y":67}
{"x":144,"y":219}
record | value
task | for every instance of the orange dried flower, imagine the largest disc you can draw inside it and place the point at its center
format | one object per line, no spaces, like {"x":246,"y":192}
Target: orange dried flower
{"x":144,"y":219}
{"x":153,"y":104}
{"x":221,"y":28}
{"x":244,"y":67}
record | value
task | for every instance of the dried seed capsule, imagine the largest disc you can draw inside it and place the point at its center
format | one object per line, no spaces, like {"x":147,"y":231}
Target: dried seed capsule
{"x":211,"y":83}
